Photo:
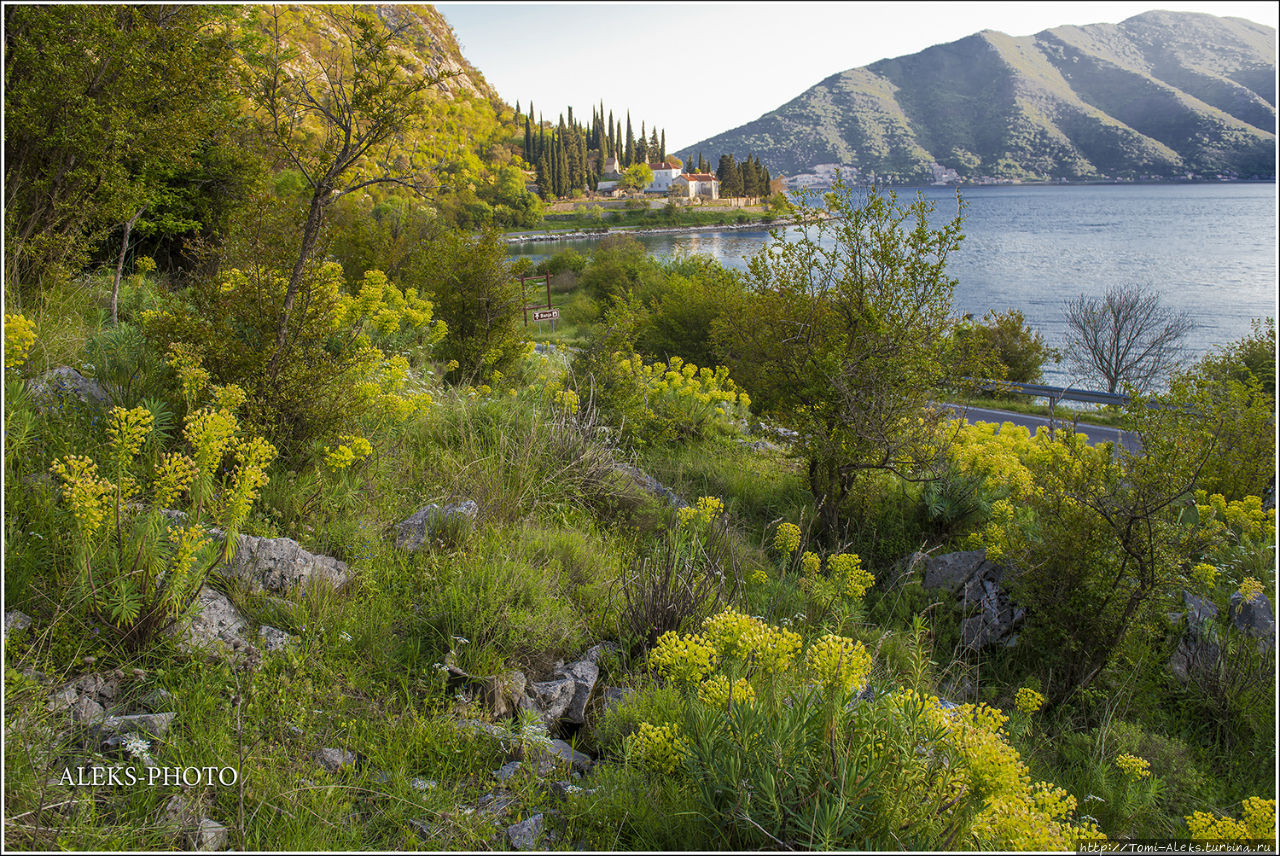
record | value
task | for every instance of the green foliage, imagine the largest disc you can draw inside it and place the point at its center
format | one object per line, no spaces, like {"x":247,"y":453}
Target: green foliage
{"x":842,"y":338}
{"x":1238,"y":381}
{"x":333,"y":376}
{"x":1018,"y":349}
{"x":138,"y":568}
{"x":662,"y":403}
{"x":114,"y":144}
{"x":478,"y":298}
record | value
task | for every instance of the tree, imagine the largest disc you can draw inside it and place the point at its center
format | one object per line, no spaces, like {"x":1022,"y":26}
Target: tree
{"x":328,"y":110}
{"x":842,"y":338}
{"x":1017,"y":348}
{"x":1238,"y":380}
{"x":638,"y":176}
{"x":103,"y":106}
{"x":1125,"y":337}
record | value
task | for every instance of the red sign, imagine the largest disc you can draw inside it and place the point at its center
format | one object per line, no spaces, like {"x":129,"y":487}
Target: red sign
{"x":546,"y":315}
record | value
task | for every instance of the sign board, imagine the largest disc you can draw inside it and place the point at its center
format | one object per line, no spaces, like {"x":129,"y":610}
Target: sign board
{"x":546,"y":315}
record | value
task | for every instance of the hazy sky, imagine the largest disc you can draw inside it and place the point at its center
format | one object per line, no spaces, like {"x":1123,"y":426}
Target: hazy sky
{"x":697,"y":69}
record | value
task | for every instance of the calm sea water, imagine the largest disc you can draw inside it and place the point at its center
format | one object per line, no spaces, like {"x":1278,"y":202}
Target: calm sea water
{"x":1210,"y":249}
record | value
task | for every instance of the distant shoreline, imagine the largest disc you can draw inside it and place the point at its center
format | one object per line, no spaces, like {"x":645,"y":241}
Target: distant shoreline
{"x":579,"y":234}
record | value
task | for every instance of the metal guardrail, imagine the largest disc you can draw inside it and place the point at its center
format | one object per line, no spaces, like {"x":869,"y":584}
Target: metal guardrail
{"x":1053,"y":393}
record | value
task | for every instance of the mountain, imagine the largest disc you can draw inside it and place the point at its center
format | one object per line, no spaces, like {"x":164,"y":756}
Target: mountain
{"x":1162,"y":94}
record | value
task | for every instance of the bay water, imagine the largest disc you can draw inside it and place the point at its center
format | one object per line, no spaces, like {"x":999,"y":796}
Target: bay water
{"x":1209,"y":249}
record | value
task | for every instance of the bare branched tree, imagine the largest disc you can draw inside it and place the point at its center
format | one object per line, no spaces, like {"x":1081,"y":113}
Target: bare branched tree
{"x":1125,"y":337}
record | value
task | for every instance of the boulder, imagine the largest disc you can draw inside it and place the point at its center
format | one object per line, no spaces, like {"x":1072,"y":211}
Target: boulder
{"x":561,"y":751}
{"x":280,"y":565}
{"x":497,"y":803}
{"x":975,"y":582}
{"x":426,"y":524}
{"x":583,"y":674}
{"x":552,"y":698}
{"x":274,"y":639}
{"x":110,"y":733}
{"x":215,"y":622}
{"x":953,"y":570}
{"x":65,"y":382}
{"x":1198,"y":651}
{"x":528,"y":833}
{"x":208,"y":835}
{"x":15,"y":620}
{"x":650,"y":485}
{"x":1254,"y":617}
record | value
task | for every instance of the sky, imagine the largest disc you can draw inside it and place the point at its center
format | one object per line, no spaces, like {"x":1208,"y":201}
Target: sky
{"x":698,"y":69}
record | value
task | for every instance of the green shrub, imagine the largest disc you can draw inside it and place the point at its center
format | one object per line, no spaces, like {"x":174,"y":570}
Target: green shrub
{"x":476,"y":296}
{"x":660,"y":403}
{"x":777,"y":753}
{"x":332,"y":376}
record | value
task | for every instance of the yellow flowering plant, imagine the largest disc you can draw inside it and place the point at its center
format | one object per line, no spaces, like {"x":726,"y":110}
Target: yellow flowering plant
{"x":343,"y":368}
{"x":19,"y":337}
{"x":143,"y":537}
{"x":664,"y":402}
{"x":1257,"y":822}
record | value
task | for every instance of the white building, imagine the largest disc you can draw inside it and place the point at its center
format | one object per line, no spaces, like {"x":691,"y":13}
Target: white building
{"x":663,"y":175}
{"x":695,"y":184}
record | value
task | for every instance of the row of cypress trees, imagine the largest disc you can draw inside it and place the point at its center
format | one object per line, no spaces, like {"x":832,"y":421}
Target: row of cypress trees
{"x":562,"y":154}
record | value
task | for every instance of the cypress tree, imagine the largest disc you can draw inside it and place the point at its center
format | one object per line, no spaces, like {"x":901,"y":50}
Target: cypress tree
{"x":642,"y":147}
{"x":631,"y":143}
{"x":528,"y":141}
{"x":662,"y":146}
{"x":517,"y":106}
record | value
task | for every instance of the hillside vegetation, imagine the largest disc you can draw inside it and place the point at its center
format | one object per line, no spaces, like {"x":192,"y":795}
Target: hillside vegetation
{"x":1160,"y":95}
{"x":310,"y":543}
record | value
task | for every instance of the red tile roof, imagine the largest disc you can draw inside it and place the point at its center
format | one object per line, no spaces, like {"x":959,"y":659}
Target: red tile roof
{"x":699,"y":176}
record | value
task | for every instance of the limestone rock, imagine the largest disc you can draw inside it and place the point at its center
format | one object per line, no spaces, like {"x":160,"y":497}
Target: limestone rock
{"x":1254,"y":617}
{"x":110,"y":733}
{"x":580,"y":761}
{"x":475,"y":727}
{"x":953,"y":570}
{"x":583,"y":675}
{"x":497,"y":803}
{"x":274,"y":639}
{"x":215,"y":620}
{"x":552,"y":698}
{"x":427,"y":523}
{"x":15,"y":620}
{"x":208,"y":835}
{"x":528,"y":833}
{"x":335,"y":760}
{"x":280,"y":565}
{"x":64,"y":382}
{"x":650,"y":485}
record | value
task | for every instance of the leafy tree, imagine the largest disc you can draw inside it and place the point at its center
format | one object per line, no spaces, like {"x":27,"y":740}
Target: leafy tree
{"x":104,"y":106}
{"x":327,"y":112}
{"x":1239,"y":382}
{"x":477,"y":297}
{"x":842,"y":338}
{"x":638,"y":176}
{"x":1125,"y":337}
{"x":1020,"y":351}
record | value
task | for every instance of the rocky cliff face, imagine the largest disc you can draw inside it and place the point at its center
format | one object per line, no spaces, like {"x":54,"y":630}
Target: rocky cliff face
{"x":1160,"y":95}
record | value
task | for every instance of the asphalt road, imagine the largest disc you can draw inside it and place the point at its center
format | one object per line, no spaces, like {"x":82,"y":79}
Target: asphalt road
{"x":1095,"y":433}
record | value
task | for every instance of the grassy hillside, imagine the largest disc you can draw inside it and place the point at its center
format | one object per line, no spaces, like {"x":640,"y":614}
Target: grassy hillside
{"x":1161,"y":94}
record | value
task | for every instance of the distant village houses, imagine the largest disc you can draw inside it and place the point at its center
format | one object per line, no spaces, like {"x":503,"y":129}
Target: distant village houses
{"x":667,"y":180}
